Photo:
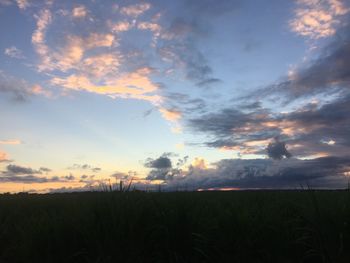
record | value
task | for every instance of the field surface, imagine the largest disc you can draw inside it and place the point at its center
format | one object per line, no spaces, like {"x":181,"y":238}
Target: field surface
{"x":241,"y":226}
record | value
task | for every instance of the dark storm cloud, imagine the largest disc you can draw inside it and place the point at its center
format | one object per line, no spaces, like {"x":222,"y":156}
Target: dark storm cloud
{"x":309,"y":127}
{"x":277,"y":150}
{"x":231,"y":127}
{"x":329,"y":122}
{"x":20,"y":174}
{"x":27,"y":175}
{"x":328,"y":172}
{"x":163,"y":162}
{"x":16,"y":169}
{"x":162,"y":167}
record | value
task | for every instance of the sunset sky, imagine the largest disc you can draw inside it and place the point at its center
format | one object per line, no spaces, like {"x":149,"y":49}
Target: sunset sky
{"x":190,"y":93}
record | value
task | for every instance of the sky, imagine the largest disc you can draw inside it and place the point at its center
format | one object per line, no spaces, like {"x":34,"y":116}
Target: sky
{"x":188,"y":94}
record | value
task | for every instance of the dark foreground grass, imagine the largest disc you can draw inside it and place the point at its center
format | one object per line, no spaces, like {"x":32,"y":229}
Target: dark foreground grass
{"x":261,"y":226}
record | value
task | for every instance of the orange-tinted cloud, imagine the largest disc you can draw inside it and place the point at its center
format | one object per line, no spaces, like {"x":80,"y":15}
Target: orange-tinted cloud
{"x":130,"y":85}
{"x":3,"y":157}
{"x":79,"y":11}
{"x":318,"y":18}
{"x":11,"y":142}
{"x":135,"y":10}
{"x":199,"y":163}
{"x":170,"y":115}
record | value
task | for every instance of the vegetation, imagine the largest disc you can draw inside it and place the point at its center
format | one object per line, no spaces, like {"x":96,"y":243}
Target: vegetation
{"x":131,"y":226}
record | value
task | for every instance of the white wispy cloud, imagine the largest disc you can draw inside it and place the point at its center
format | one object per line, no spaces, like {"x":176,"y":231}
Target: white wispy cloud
{"x":14,"y":52}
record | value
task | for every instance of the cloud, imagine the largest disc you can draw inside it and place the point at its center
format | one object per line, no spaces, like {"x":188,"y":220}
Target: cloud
{"x":318,"y":18}
{"x":5,"y":2}
{"x":170,"y":114}
{"x":135,"y":10}
{"x":22,"y":4}
{"x":14,"y":52}
{"x":186,"y":56}
{"x":249,"y":128}
{"x":10,"y":142}
{"x":16,"y":169}
{"x":120,"y":26}
{"x":163,"y":162}
{"x":43,"y":20}
{"x":305,"y":129}
{"x":330,"y":72}
{"x":277,"y":150}
{"x":135,"y":85}
{"x":85,"y":167}
{"x":69,"y":177}
{"x":38,"y":90}
{"x":232,"y":127}
{"x":3,"y":157}
{"x":162,"y":167}
{"x":327,"y":172}
{"x":79,"y":11}
{"x":199,"y":163}
{"x":19,"y":89}
{"x":44,"y":169}
{"x":21,"y":174}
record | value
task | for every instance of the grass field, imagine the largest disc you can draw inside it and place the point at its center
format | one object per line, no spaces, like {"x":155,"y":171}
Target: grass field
{"x":241,"y":226}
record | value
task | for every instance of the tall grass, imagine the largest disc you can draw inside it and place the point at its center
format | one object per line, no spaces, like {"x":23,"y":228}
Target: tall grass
{"x":121,"y":225}
{"x":118,"y":186}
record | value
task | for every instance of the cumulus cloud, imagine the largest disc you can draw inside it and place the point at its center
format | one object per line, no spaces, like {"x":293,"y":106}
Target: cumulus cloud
{"x":163,"y":168}
{"x":249,"y":128}
{"x":163,"y":162}
{"x":277,"y":150}
{"x":304,"y":129}
{"x":327,"y":172}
